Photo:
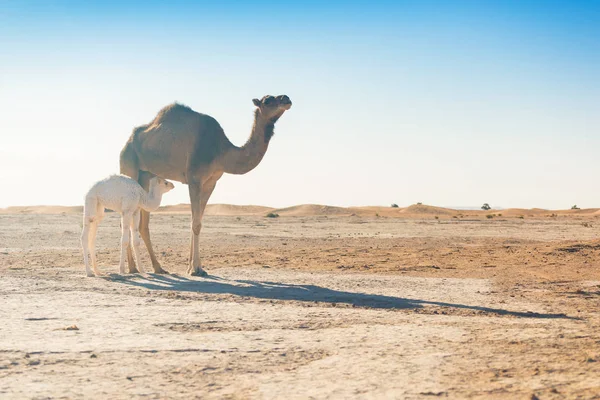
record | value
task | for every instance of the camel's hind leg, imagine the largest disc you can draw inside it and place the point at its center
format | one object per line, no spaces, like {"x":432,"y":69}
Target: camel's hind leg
{"x":91,"y":220}
{"x":144,"y":181}
{"x":135,"y":240}
{"x":126,"y":218}
{"x":92,"y":237}
{"x":85,"y":243}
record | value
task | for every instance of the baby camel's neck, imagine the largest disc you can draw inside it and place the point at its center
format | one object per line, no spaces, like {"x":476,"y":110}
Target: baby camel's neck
{"x":151,"y":201}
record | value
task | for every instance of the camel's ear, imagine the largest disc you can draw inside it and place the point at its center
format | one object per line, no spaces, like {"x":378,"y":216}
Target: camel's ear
{"x":256,"y":102}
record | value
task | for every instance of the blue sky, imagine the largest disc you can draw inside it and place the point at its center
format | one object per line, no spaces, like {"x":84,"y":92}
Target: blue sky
{"x":451,"y":103}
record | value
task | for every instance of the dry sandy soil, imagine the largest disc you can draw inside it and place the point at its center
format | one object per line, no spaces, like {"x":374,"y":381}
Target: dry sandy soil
{"x":320,"y":303}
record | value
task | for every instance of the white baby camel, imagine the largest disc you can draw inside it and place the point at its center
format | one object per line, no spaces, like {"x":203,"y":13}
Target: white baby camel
{"x":124,"y":195}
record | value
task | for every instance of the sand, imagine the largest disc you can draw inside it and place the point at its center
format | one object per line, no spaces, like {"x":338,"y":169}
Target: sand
{"x":319,"y":303}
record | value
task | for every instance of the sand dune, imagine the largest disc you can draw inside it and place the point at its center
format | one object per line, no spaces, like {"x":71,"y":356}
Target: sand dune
{"x":312,"y":210}
{"x":42,"y":210}
{"x":421,"y":209}
{"x":229,"y":209}
{"x":308,"y":210}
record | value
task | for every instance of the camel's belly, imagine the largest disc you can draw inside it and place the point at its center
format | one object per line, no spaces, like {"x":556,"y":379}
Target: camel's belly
{"x":165,"y":172}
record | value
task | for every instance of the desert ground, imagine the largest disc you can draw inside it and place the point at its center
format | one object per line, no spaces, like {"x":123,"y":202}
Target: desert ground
{"x":321,"y":302}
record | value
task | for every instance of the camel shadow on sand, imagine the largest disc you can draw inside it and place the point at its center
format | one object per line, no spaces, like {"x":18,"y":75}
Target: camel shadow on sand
{"x":306,"y":293}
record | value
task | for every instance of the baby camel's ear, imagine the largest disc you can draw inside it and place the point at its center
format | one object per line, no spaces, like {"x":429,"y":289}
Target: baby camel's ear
{"x":256,"y":102}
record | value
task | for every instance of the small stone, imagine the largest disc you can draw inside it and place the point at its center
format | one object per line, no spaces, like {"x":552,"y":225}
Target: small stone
{"x":70,"y":328}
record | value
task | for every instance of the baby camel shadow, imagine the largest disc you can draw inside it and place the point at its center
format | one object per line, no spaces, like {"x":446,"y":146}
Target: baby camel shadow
{"x":308,"y":293}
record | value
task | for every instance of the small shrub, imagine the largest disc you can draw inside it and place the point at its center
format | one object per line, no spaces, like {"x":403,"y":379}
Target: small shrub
{"x":586,"y":224}
{"x":454,"y":216}
{"x":521,"y":217}
{"x":489,"y":216}
{"x":394,"y":205}
{"x":499,"y":215}
{"x":272,"y":215}
{"x":575,"y":207}
{"x":486,"y":207}
{"x":377,"y":214}
{"x":436,"y":217}
{"x":419,"y":204}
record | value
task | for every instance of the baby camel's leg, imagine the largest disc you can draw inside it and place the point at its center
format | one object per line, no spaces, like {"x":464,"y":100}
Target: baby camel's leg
{"x":135,"y":239}
{"x":92,"y":237}
{"x":126,"y":218}
{"x":86,"y":246}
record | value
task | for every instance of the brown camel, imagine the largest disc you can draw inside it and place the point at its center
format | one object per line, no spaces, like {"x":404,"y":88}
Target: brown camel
{"x":185,"y":146}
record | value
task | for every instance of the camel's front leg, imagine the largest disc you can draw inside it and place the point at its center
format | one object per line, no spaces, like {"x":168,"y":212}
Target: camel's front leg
{"x":131,"y":263}
{"x":144,"y":180}
{"x":199,"y":195}
{"x":135,"y":240}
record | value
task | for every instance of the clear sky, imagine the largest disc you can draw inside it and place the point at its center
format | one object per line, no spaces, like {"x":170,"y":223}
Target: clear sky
{"x":450,"y":103}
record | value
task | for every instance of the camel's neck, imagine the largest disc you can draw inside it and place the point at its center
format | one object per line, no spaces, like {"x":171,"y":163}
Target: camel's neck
{"x":240,"y":160}
{"x":151,"y":201}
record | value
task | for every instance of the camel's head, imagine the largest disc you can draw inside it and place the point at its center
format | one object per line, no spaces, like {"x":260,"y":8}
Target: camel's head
{"x":273,"y":107}
{"x":161,"y":184}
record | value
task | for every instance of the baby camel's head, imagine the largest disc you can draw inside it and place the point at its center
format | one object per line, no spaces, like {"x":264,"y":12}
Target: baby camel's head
{"x":162,"y":185}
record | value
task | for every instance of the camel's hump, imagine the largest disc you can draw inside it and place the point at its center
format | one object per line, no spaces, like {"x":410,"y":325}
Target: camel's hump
{"x":175,"y":108}
{"x":177,"y":111}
